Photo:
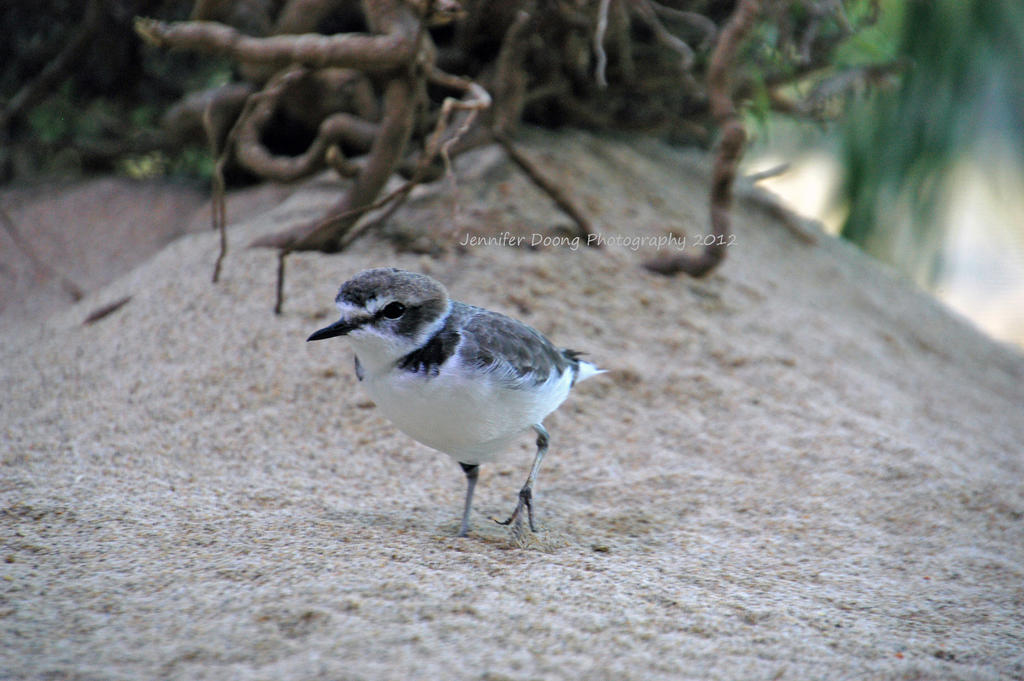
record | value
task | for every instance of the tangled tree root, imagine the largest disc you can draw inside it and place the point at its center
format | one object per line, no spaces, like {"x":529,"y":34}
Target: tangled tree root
{"x":379,"y":95}
{"x":728,"y":151}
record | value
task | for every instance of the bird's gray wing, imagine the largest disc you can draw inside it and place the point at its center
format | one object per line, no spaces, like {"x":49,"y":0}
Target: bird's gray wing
{"x":510,"y":348}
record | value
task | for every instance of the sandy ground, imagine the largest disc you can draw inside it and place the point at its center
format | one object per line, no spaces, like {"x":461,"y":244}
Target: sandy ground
{"x":62,"y":239}
{"x":799,"y":468}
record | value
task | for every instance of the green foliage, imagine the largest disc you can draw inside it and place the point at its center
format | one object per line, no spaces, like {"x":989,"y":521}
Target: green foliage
{"x":107,"y":107}
{"x":877,"y":42}
{"x":193,"y":162}
{"x":861,"y":37}
{"x":145,"y":115}
{"x":63,"y":119}
{"x":50,"y":122}
{"x":964,"y":84}
{"x":189,"y":162}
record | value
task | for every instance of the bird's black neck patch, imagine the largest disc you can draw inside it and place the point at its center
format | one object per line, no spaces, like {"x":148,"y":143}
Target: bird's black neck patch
{"x":429,"y":357}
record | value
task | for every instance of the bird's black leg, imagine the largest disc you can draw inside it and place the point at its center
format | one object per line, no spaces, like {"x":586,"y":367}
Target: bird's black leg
{"x":526,"y":493}
{"x":472,"y":471}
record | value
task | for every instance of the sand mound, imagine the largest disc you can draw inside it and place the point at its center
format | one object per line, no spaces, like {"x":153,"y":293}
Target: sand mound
{"x":799,"y":468}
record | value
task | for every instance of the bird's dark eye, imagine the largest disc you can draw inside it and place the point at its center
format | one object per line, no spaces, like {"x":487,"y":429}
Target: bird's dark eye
{"x":393,"y":310}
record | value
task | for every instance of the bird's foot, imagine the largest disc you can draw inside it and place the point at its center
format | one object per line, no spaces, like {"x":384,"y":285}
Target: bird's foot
{"x":525,"y":501}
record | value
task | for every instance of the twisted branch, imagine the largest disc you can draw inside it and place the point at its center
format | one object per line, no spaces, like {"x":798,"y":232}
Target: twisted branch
{"x":370,"y":53}
{"x":548,"y":186}
{"x":728,"y":151}
{"x":327,"y":234}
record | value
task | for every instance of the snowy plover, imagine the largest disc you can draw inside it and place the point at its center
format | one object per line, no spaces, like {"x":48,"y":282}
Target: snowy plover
{"x":458,"y":378}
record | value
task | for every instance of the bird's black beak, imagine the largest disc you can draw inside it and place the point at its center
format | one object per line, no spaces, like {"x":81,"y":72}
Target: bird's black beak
{"x":338,"y":328}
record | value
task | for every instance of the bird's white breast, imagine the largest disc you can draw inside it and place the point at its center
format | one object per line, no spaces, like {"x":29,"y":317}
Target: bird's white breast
{"x":469,"y":414}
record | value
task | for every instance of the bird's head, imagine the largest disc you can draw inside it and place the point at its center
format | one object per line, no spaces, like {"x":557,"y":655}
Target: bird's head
{"x":387,"y":313}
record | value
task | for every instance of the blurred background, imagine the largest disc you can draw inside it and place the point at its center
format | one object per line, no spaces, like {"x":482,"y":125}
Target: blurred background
{"x":925,"y":171}
{"x":900,"y":122}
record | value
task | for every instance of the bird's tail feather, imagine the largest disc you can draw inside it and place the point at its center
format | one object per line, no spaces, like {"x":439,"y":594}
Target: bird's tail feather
{"x":586,"y":370}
